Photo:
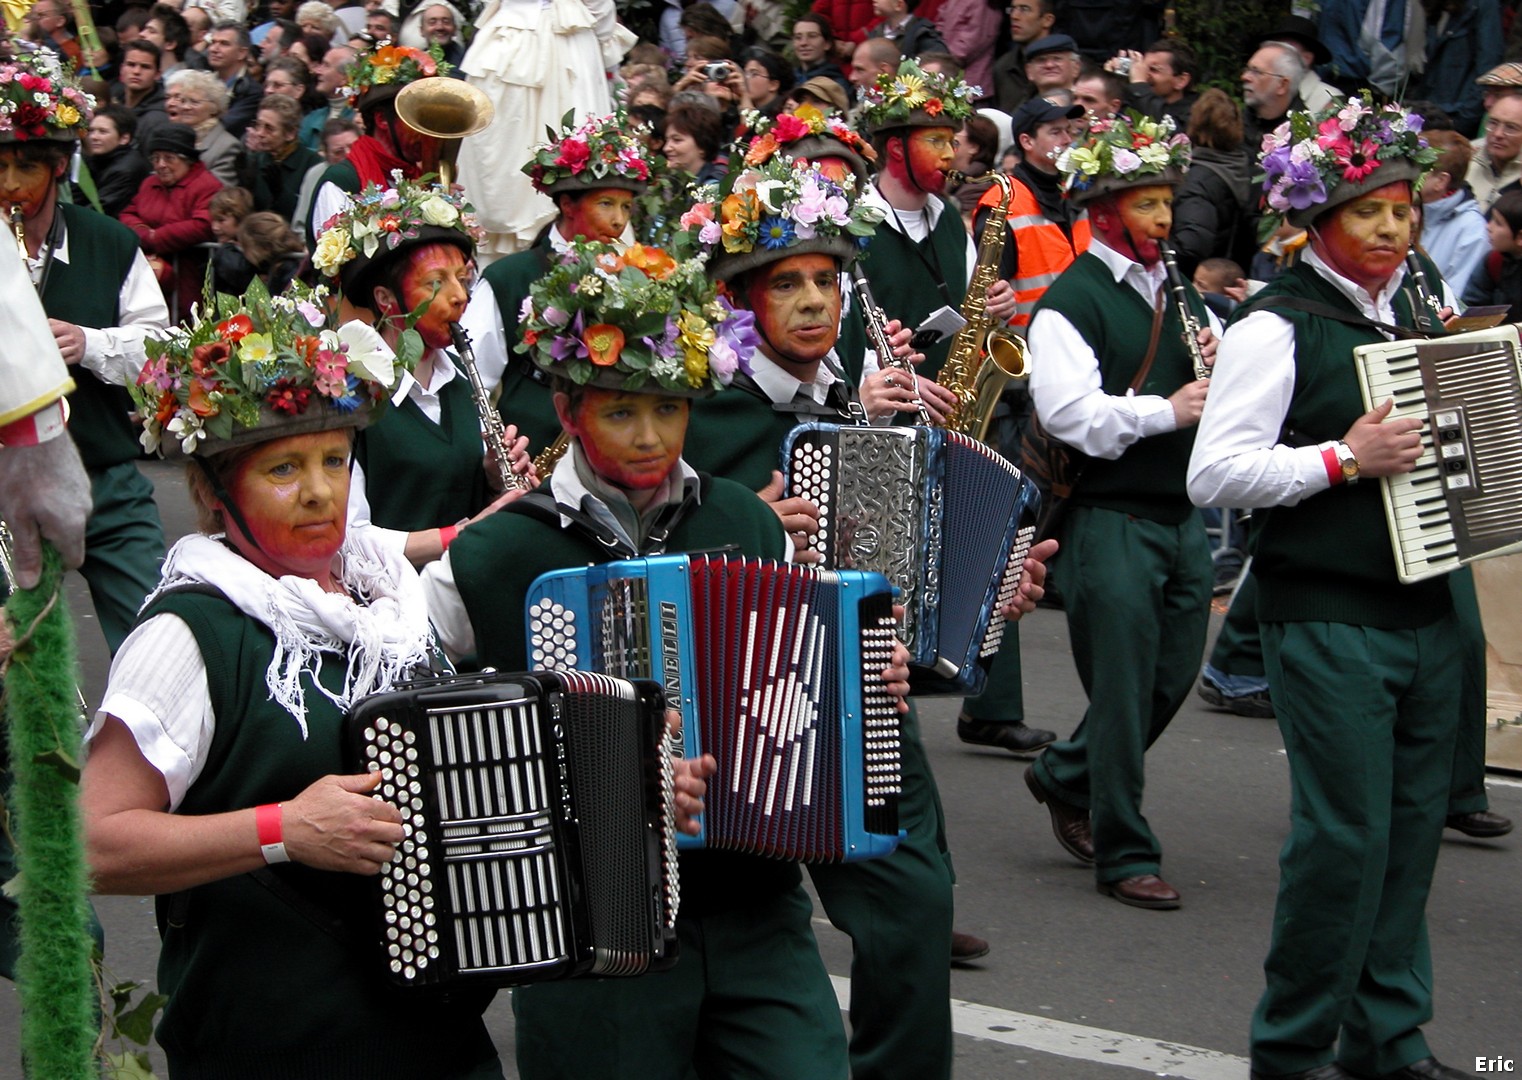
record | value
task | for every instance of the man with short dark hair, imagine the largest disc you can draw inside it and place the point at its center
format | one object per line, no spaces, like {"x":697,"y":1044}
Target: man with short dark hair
{"x":227,"y":58}
{"x":1029,"y":20}
{"x":167,"y":29}
{"x":1101,"y":93}
{"x":140,"y":88}
{"x":381,"y":25}
{"x":1163,"y":81}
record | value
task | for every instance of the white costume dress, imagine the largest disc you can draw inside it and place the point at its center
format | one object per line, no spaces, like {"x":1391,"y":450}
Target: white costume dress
{"x":536,"y":61}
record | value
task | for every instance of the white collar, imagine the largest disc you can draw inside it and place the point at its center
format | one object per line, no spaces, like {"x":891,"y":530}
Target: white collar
{"x":779,"y":384}
{"x":560,"y":245}
{"x":444,"y":370}
{"x":933,"y":209}
{"x":1123,"y":268}
{"x":1376,"y":309}
{"x":569,"y":491}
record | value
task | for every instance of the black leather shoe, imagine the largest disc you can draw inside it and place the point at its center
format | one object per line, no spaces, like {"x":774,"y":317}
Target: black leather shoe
{"x":1428,"y":1069}
{"x":1144,"y":891}
{"x":1070,"y":824}
{"x":1481,"y":823}
{"x":1018,"y":739}
{"x":1329,"y":1071}
{"x":966,"y":948}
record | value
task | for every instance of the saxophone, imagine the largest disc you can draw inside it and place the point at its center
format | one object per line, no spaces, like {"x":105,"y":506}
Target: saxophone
{"x":983,"y":358}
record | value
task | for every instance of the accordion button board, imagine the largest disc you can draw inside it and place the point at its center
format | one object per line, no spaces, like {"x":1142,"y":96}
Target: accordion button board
{"x":946,"y":519}
{"x":1464,"y":499}
{"x":776,"y":669}
{"x":539,"y":827}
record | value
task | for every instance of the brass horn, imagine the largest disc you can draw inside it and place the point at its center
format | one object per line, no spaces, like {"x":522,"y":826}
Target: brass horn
{"x":447,"y":110}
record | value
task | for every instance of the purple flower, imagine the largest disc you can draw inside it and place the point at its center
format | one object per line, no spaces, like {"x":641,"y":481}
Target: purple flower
{"x":1414,"y":121}
{"x":566,"y":346}
{"x":1277,"y":162}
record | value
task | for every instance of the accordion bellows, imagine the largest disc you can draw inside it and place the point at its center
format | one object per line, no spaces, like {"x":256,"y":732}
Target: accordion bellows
{"x":777,"y":672}
{"x":946,"y":519}
{"x":540,"y":827}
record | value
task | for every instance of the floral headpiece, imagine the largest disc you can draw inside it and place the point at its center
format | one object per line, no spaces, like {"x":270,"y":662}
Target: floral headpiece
{"x":379,"y":222}
{"x":772,"y":211}
{"x":636,"y":320}
{"x":40,"y":100}
{"x":601,"y":152}
{"x":917,"y":98}
{"x":804,"y":125}
{"x":1313,"y":162}
{"x":260,"y":367}
{"x":1121,"y":152}
{"x":377,"y":75}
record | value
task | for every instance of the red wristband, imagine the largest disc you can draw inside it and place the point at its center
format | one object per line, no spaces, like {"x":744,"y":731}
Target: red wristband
{"x":267,"y":820}
{"x":1333,"y":465}
{"x":44,"y":424}
{"x":447,"y":534}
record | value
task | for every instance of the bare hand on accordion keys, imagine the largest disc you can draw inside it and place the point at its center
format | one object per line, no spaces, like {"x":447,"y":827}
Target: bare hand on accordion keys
{"x":800,"y":518}
{"x":896,"y":674}
{"x":1385,"y":447}
{"x":1032,"y":581}
{"x":335,"y":824}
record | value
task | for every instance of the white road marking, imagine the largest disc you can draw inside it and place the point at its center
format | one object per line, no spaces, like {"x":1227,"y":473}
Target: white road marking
{"x":1063,"y":1039}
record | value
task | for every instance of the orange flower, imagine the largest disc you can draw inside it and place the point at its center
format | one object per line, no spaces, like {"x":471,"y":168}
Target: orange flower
{"x":604,"y":342}
{"x":389,"y":223}
{"x":388,"y":56}
{"x":656,"y":264}
{"x":739,"y":212}
{"x":762,"y":149}
{"x":306,"y":347}
{"x":167,"y":408}
{"x":530,"y":337}
{"x":933,"y":107}
{"x":198,"y":403}
{"x":609,"y":262}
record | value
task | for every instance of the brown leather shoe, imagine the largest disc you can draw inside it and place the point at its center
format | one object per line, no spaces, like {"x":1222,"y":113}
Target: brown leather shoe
{"x":967,"y":947}
{"x":1146,"y":891}
{"x":1480,"y":823}
{"x":1070,"y":824}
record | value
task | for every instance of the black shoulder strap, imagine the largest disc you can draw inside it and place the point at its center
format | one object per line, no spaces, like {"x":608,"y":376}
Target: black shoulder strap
{"x":1316,"y":307}
{"x":541,"y":506}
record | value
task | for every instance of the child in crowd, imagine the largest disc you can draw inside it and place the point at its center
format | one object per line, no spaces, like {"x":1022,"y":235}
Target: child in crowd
{"x":231,"y":271}
{"x":276,"y":252}
{"x":1221,"y":284}
{"x":1499,"y":278}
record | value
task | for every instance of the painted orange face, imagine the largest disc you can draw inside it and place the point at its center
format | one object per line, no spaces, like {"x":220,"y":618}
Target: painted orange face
{"x":601,"y":214}
{"x":797,"y":306}
{"x":1136,"y":220}
{"x":293,"y":494}
{"x":1366,"y":240}
{"x":27,"y":184}
{"x":439,"y":271}
{"x":632,"y":441}
{"x":931,"y":151}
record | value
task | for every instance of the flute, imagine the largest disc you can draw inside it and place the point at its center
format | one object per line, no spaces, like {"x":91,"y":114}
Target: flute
{"x":1185,"y":313}
{"x":877,"y":331}
{"x":1429,"y":321}
{"x":493,"y":434}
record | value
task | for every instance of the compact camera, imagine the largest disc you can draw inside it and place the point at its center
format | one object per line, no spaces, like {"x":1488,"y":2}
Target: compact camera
{"x":716,"y":72}
{"x":1122,"y":65}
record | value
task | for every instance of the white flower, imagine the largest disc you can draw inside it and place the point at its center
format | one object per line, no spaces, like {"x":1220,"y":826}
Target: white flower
{"x":150,"y":437}
{"x":186,"y":426}
{"x":437,"y":210}
{"x":771,"y":193}
{"x":369,"y":356}
{"x":1154,"y":154}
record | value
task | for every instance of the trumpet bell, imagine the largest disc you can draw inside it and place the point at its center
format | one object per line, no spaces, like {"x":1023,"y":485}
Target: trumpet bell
{"x":444,"y":108}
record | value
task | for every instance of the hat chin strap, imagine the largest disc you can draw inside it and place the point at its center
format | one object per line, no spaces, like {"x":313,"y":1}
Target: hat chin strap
{"x":229,"y":507}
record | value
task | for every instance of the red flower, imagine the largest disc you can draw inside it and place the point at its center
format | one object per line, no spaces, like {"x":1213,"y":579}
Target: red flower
{"x":789,"y":128}
{"x":934,"y":106}
{"x":213,"y":352}
{"x":574,"y":154}
{"x":285,"y":396}
{"x":389,"y":223}
{"x":236,"y":328}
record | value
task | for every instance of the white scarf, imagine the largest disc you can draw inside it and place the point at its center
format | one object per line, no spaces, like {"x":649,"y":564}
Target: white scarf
{"x":384,"y":632}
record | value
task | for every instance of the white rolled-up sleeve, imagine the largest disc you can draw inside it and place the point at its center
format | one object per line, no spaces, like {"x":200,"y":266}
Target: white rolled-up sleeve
{"x":446,"y":610}
{"x":1238,"y":458}
{"x":116,"y":354}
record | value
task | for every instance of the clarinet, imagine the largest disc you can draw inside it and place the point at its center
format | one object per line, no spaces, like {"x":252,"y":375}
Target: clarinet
{"x":877,"y":332}
{"x":1191,"y":325}
{"x":1429,"y":321}
{"x":493,"y":434}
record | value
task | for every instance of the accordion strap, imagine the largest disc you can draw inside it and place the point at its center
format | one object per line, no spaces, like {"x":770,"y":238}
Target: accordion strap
{"x":541,"y":505}
{"x":1316,"y":307}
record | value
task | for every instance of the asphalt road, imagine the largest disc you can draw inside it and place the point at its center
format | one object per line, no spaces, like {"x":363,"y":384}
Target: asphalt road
{"x":1077,"y":985}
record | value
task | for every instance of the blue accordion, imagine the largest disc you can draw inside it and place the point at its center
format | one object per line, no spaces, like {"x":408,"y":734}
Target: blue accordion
{"x":946,"y":519}
{"x":776,"y":670}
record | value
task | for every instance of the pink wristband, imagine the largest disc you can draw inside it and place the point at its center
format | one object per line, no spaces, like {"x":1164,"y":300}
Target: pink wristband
{"x":1333,"y":465}
{"x":447,"y":534}
{"x":267,"y":820}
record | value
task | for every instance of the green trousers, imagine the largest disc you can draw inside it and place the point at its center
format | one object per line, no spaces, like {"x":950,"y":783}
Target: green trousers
{"x":124,"y":548}
{"x":1238,"y":650}
{"x":1003,"y":698}
{"x":1138,"y":606}
{"x":1369,"y":719}
{"x":897,"y":912}
{"x":749,"y":997}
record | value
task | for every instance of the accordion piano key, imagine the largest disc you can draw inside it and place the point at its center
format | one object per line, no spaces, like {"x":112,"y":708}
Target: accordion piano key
{"x":538,"y":813}
{"x":777,"y":669}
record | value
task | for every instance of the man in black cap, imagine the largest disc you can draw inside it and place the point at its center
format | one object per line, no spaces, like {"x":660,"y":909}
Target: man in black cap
{"x":1052,"y":63}
{"x":1300,"y":32}
{"x":1029,"y":20}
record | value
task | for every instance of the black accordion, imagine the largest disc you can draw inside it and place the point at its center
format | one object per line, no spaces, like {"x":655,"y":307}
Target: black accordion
{"x":777,"y":672}
{"x":946,"y":519}
{"x":540,"y":827}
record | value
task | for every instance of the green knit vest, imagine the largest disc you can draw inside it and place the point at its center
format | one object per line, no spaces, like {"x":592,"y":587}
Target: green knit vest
{"x":278,"y":974}
{"x":525,"y":401}
{"x":85,"y":291}
{"x":905,"y":276}
{"x":422,"y":475}
{"x":1148,"y":479}
{"x":496,"y":560}
{"x":738,"y":436}
{"x":1328,"y":558}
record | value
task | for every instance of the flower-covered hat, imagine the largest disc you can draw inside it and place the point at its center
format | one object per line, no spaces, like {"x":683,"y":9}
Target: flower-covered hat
{"x":1315,"y":162}
{"x":601,"y":152}
{"x":917,"y":98}
{"x":39,"y":99}
{"x":260,"y":367}
{"x":1123,"y":152}
{"x":806,"y":134}
{"x":772,"y":211}
{"x":380,"y":224}
{"x":638,"y":320}
{"x":377,"y":76}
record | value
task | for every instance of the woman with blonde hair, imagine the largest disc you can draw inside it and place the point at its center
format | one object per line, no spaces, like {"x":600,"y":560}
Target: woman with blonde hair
{"x":199,"y":99}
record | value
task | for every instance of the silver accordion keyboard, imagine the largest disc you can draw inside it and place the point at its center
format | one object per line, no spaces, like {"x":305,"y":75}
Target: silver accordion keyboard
{"x":1464,"y":500}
